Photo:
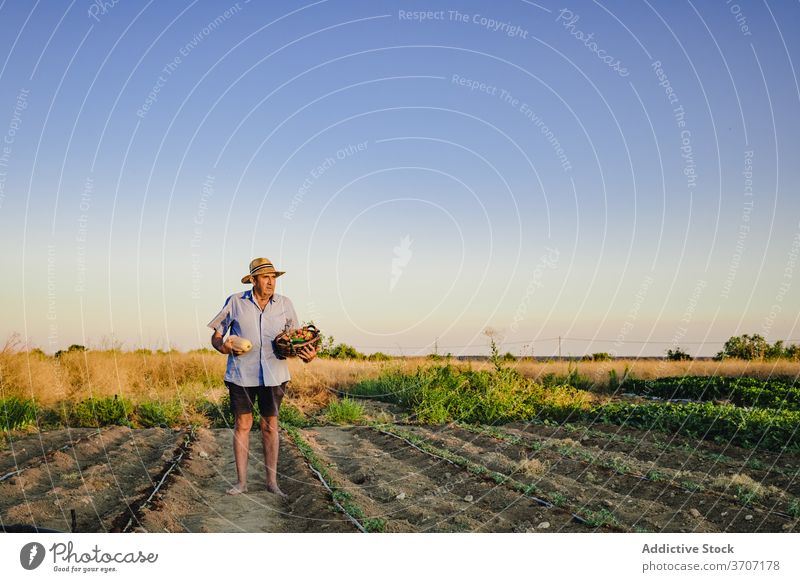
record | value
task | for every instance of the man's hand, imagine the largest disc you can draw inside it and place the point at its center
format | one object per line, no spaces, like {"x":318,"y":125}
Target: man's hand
{"x":224,"y":347}
{"x":307,"y":353}
{"x":230,"y":348}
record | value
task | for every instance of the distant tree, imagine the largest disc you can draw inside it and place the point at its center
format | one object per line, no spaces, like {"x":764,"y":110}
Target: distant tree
{"x":325,"y":346}
{"x":677,"y":355}
{"x":744,"y":347}
{"x":37,"y":353}
{"x":599,"y":357}
{"x":338,"y":351}
{"x":378,"y":357}
{"x":70,"y":349}
{"x":509,"y":357}
{"x":792,"y":352}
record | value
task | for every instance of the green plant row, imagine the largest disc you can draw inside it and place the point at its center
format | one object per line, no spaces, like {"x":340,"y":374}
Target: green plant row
{"x":745,"y":427}
{"x":500,"y":478}
{"x":438,"y":394}
{"x":16,"y":414}
{"x":339,"y":495}
{"x":743,"y":391}
{"x":445,"y":394}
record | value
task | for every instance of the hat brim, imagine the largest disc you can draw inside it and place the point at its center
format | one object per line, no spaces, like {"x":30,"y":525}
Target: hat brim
{"x":249,"y":278}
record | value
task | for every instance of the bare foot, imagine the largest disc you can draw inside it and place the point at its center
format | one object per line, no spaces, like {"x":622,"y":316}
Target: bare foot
{"x":276,"y":490}
{"x":237,"y":490}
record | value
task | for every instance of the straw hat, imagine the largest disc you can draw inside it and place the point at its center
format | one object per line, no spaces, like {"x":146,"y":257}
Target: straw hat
{"x":259,"y":266}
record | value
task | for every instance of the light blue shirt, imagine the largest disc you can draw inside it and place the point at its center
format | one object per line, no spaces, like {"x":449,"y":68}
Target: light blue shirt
{"x":242,"y":316}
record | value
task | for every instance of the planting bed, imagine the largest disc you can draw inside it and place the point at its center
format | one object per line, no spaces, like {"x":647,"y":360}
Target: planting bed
{"x":398,"y":477}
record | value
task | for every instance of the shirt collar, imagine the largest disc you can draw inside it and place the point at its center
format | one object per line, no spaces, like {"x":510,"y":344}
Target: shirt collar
{"x":249,"y":295}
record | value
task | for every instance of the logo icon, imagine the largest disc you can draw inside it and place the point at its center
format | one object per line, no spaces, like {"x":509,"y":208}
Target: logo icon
{"x":31,"y":555}
{"x":402,"y":254}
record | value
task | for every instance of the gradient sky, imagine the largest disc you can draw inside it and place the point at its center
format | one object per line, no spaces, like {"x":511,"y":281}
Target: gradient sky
{"x":416,"y":179}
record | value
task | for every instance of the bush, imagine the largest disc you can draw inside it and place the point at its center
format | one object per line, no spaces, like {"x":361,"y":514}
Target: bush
{"x":599,"y":357}
{"x":70,"y":349}
{"x":16,"y":413}
{"x":677,"y":355}
{"x":379,"y":357}
{"x":96,"y":412}
{"x":339,"y":351}
{"x":291,"y":415}
{"x":218,"y":413}
{"x":344,"y":411}
{"x":439,"y":394}
{"x":166,"y":414}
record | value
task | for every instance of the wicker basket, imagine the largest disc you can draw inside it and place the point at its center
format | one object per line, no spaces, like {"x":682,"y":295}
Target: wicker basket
{"x":284,"y":348}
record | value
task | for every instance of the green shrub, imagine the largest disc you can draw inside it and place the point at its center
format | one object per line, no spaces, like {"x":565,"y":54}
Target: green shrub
{"x":219,"y":414}
{"x":677,"y":355}
{"x":291,"y":415}
{"x":166,"y":414}
{"x":70,"y":349}
{"x":439,"y":394}
{"x":95,"y":412}
{"x":16,"y":413}
{"x":599,"y":357}
{"x":344,"y":411}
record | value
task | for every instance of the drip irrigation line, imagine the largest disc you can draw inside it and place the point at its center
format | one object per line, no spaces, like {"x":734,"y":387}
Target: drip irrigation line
{"x":325,"y":484}
{"x":720,"y":495}
{"x":338,"y":505}
{"x":137,"y":508}
{"x":542,"y":502}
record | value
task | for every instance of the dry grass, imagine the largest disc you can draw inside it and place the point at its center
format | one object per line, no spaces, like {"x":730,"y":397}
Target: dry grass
{"x":198,"y":375}
{"x":644,"y":369}
{"x":745,"y":487}
{"x":532,"y":467}
{"x":650,"y":369}
{"x":160,"y":377}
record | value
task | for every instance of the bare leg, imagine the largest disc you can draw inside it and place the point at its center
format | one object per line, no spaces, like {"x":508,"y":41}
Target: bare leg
{"x":241,"y":448}
{"x":269,"y":438}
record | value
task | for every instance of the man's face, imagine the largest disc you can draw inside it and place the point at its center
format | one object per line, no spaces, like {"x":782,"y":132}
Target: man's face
{"x":264,"y":284}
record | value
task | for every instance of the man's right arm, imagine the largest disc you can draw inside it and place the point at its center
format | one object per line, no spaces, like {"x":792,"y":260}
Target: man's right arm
{"x":219,"y":345}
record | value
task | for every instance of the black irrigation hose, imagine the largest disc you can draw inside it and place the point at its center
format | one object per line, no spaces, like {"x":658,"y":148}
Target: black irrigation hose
{"x":719,"y":494}
{"x":135,"y":509}
{"x":543,"y":502}
{"x":338,"y":505}
{"x":325,"y":484}
{"x":33,"y":462}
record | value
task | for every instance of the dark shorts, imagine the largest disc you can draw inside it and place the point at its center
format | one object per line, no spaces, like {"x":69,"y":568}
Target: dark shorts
{"x":243,"y":397}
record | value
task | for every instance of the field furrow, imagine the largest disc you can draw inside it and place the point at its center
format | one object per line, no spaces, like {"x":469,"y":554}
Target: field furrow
{"x":414,"y":491}
{"x":679,"y":454}
{"x":99,"y":478}
{"x":710,"y":500}
{"x":194,"y":498}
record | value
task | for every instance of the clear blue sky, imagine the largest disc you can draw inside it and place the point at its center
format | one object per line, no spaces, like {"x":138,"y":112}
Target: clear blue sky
{"x":609,"y":171}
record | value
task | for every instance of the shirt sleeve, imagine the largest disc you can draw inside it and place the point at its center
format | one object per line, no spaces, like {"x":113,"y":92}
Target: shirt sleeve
{"x":291,"y":315}
{"x":222,"y":320}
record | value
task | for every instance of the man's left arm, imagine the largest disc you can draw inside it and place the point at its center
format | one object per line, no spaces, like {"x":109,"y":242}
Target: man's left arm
{"x":306,"y":353}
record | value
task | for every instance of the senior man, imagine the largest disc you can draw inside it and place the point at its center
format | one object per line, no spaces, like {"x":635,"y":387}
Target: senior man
{"x":259,"y":315}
